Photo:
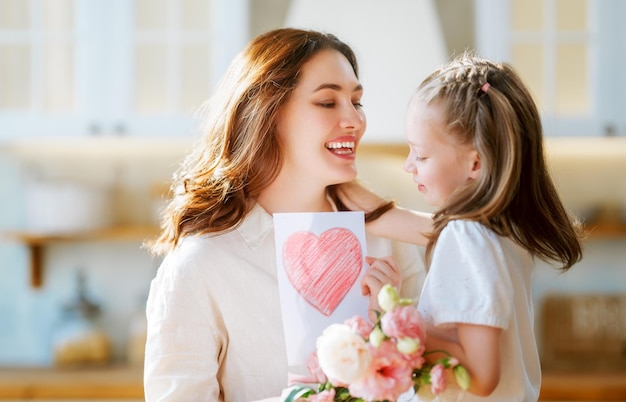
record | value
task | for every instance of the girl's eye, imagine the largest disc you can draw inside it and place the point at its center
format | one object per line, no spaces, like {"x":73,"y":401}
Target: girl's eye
{"x":420,"y":158}
{"x":327,"y":105}
{"x":357,"y":104}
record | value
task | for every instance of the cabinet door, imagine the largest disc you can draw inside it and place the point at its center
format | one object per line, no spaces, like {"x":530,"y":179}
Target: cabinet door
{"x":115,"y":67}
{"x":39,"y":69}
{"x":569,"y":52}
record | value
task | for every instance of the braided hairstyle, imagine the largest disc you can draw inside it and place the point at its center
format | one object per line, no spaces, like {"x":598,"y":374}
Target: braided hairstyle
{"x":486,"y":104}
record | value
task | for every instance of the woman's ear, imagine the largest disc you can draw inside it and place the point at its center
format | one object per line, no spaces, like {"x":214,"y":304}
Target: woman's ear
{"x":475,"y":165}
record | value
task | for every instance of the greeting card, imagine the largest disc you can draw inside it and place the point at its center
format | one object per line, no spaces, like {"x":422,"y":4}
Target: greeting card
{"x":321,"y":261}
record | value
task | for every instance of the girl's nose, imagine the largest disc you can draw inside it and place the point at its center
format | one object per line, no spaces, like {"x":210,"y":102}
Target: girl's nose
{"x":408,"y":166}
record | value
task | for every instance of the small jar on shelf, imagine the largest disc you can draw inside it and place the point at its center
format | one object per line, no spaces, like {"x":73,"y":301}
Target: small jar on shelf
{"x":78,"y":339}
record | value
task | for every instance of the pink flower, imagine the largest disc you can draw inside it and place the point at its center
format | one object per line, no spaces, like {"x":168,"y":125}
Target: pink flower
{"x":416,"y":359}
{"x":324,"y":396}
{"x":316,"y":375}
{"x":360,"y":325}
{"x":404,"y":321}
{"x":438,"y":379}
{"x":387,"y":377}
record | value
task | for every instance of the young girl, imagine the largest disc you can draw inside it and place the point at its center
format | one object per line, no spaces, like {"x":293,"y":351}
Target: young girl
{"x":476,"y":154}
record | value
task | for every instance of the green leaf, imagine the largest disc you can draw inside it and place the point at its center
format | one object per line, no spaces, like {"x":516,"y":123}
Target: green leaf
{"x":298,"y":391}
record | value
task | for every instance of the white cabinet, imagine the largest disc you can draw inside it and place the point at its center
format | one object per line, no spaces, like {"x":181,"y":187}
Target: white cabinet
{"x":571,"y":53}
{"x":115,"y":67}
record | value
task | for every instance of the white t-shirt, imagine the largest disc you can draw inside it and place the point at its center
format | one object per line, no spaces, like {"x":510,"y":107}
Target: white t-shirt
{"x":215,"y":328}
{"x":479,"y":277}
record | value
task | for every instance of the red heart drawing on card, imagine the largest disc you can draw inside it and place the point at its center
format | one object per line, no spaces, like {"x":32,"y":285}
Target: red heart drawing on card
{"x":323,"y":269}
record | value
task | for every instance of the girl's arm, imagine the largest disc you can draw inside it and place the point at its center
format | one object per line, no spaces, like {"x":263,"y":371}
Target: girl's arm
{"x":478,"y":350}
{"x":403,"y":225}
{"x":398,"y":223}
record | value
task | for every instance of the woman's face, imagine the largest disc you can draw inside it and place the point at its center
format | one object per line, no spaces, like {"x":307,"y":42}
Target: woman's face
{"x":322,"y":122}
{"x":438,"y":163}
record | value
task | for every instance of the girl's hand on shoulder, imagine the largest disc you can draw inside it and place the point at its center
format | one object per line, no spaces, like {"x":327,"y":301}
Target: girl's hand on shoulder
{"x":357,"y":197}
{"x":398,"y":223}
{"x":381,"y":272}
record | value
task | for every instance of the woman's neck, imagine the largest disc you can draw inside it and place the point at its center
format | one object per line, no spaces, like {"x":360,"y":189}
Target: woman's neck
{"x":294,"y":197}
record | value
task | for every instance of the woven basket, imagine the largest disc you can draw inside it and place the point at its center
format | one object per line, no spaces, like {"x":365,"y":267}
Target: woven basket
{"x":584,"y":332}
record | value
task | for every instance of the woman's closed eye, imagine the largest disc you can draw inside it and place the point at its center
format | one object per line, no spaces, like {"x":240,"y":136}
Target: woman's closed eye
{"x":331,"y":104}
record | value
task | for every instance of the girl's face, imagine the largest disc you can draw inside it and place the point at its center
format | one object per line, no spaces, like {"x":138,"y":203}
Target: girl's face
{"x":438,"y":162}
{"x":322,"y":122}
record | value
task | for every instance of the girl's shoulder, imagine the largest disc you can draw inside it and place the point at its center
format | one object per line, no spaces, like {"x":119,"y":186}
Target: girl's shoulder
{"x":467,"y":235}
{"x":470,"y":233}
{"x":467,"y":227}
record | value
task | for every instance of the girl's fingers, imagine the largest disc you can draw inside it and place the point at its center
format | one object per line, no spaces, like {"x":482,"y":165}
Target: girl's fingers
{"x":381,"y":271}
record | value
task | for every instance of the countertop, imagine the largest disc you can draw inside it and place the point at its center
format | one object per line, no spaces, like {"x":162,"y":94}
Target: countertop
{"x":110,"y":382}
{"x":122,"y":382}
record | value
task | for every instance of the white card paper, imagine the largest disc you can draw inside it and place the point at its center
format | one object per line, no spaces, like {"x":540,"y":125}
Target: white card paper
{"x":320,"y":263}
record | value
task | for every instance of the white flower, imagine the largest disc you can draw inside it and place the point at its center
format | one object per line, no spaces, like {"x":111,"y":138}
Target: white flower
{"x":376,"y":337}
{"x":407,"y":345}
{"x":462,"y":377}
{"x":388,"y":298}
{"x":343,"y":355}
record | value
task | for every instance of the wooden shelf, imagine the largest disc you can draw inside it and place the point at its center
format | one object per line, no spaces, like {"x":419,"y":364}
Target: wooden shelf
{"x":606,"y":230}
{"x":110,"y":382}
{"x":601,"y":386}
{"x":36,"y":241}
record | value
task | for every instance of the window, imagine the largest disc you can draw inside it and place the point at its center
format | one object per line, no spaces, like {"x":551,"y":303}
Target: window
{"x":569,"y":52}
{"x":140,"y":67}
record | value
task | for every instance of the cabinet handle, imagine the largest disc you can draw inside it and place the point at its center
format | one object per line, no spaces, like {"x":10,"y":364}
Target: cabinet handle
{"x":120,"y":129}
{"x":610,"y":130}
{"x":95,"y":129}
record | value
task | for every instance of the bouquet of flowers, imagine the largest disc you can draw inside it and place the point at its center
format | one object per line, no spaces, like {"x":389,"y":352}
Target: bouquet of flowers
{"x":358,"y":361}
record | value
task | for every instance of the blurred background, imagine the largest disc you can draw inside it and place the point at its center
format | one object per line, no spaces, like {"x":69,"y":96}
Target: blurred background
{"x":98,"y":103}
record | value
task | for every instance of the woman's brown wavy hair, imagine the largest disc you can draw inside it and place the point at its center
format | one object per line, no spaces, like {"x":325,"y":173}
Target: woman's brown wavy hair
{"x":239,"y":154}
{"x":514,"y":195}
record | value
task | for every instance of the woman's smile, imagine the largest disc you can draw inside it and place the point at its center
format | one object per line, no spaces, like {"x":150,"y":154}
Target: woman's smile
{"x":341,"y":147}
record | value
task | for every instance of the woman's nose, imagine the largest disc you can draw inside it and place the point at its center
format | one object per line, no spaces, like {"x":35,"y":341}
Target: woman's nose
{"x":353,"y":118}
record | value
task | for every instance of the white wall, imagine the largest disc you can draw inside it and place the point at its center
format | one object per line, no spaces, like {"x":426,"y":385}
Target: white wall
{"x":396,"y":46}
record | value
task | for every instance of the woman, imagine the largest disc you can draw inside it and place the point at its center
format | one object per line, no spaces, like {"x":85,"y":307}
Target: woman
{"x":281,"y":134}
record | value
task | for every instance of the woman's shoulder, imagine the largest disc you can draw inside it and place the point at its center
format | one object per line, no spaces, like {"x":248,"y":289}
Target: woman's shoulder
{"x":191,"y":254}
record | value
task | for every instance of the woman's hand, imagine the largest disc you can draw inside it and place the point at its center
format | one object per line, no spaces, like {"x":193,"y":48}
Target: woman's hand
{"x":381,"y":272}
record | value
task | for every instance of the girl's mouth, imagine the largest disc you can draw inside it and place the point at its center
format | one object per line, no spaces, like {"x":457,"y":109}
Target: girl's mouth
{"x":340,"y":147}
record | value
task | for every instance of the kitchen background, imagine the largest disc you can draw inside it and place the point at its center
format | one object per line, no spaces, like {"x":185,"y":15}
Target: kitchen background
{"x":97,"y":108}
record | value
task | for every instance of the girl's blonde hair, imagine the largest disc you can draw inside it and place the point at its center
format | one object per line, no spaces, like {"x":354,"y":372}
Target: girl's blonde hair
{"x":486,"y":104}
{"x":239,"y":154}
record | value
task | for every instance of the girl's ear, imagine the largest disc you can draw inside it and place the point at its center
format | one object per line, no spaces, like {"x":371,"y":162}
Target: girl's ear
{"x":475,"y":165}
